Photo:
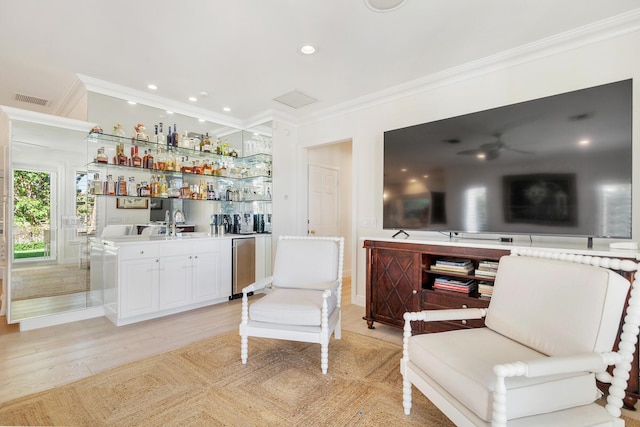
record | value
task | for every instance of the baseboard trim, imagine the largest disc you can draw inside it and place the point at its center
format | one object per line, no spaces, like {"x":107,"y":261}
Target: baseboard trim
{"x":61,"y":318}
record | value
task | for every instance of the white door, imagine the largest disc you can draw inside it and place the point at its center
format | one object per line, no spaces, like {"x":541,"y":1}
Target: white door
{"x":323,"y":201}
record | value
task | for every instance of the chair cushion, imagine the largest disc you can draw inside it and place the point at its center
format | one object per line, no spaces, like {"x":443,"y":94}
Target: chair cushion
{"x":304,"y":263}
{"x":557,"y":307}
{"x":462,"y":362}
{"x":291,"y":307}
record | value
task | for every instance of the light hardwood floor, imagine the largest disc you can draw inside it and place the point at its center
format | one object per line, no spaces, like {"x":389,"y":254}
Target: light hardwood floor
{"x":41,"y":359}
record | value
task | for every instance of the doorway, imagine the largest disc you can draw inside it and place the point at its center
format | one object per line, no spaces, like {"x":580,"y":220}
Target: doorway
{"x":329,"y":195}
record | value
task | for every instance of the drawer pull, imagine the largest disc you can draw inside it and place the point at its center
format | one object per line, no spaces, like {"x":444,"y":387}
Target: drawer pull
{"x":415,"y":292}
{"x":464,"y":322}
{"x":465,"y":306}
{"x":141,"y":252}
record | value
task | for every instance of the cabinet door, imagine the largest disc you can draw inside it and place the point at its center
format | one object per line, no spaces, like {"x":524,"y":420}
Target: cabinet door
{"x":396,"y":282}
{"x":139,"y":286}
{"x":175,"y":281}
{"x":207,"y":283}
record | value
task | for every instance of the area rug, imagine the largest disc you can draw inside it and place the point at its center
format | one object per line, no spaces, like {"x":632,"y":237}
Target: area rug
{"x":205,"y":384}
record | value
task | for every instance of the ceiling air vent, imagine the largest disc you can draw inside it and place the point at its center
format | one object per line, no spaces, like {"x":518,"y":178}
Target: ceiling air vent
{"x":295,"y":99}
{"x":31,"y":99}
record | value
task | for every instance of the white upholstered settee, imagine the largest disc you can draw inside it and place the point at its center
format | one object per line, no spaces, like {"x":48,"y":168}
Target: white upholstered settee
{"x":550,"y":329}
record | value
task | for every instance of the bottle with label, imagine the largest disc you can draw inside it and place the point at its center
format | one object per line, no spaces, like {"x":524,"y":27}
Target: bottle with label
{"x":206,"y":145}
{"x":131,"y":187}
{"x":175,"y":138}
{"x":144,"y":191}
{"x":122,"y":186}
{"x":136,"y":160}
{"x":109,"y":186}
{"x":160,"y":136}
{"x":101,"y":157}
{"x":97,"y":184}
{"x":164,"y":187}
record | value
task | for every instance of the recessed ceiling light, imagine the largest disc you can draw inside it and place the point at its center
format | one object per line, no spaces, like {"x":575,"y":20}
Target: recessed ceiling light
{"x":193,"y":99}
{"x":481,"y":156}
{"x":131,"y":102}
{"x":584,"y":142}
{"x":403,"y":170}
{"x":152,"y":86}
{"x":308,"y":49}
{"x":227,"y":109}
{"x":384,"y":5}
{"x":169,"y":112}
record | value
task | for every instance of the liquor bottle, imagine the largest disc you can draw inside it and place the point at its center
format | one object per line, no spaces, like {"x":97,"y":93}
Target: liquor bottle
{"x":164,"y":187}
{"x":110,"y":186}
{"x":101,"y":157}
{"x":136,"y":160}
{"x":155,"y":186}
{"x":122,"y":186}
{"x":161,"y":160}
{"x":131,"y":187}
{"x":150,"y":161}
{"x":169,"y":138}
{"x":155,"y":138}
{"x":97,"y":184}
{"x":144,"y":190}
{"x":175,"y":137}
{"x":206,"y":146}
{"x":160,"y":136}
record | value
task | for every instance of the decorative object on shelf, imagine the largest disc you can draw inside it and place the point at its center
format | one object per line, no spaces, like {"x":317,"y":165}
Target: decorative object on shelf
{"x":118,"y":131}
{"x":132,"y":203}
{"x":96,"y":129}
{"x":140,"y":134}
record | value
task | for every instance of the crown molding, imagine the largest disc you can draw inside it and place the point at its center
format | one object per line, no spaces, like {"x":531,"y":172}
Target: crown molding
{"x":613,"y":27}
{"x":74,"y":94}
{"x":128,"y":94}
{"x":35,"y":117}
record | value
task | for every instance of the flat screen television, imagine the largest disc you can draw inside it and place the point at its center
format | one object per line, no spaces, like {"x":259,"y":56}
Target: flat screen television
{"x":559,"y":165}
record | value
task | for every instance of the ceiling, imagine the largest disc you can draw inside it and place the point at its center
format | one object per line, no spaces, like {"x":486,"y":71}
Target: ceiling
{"x":244,"y":53}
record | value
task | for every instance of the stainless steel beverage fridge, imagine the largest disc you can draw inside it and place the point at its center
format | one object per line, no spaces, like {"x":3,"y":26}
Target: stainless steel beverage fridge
{"x":244,"y":264}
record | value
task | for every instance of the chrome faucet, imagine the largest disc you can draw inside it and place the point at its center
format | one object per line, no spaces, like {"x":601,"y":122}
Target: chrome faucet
{"x":178,"y":216}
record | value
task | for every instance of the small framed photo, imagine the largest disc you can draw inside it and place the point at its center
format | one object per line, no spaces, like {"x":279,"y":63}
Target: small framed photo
{"x":132,"y":203}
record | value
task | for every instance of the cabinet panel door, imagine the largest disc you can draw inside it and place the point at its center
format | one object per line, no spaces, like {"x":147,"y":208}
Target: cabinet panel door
{"x":207,"y":283}
{"x":396,"y":277}
{"x":175,"y":281}
{"x":139,"y":286}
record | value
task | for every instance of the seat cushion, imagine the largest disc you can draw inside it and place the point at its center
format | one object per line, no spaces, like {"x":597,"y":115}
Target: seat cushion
{"x":291,"y":307}
{"x":462,"y":362}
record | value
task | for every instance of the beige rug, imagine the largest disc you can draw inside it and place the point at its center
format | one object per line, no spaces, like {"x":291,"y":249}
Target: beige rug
{"x":204,"y":384}
{"x":47,"y":281}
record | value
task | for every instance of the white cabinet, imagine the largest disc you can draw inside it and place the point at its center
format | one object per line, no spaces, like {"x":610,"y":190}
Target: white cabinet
{"x":139,"y":293}
{"x":175,"y":281}
{"x":162,"y":277}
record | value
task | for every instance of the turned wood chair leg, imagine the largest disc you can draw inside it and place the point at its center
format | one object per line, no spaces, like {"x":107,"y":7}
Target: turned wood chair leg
{"x":244,"y":349}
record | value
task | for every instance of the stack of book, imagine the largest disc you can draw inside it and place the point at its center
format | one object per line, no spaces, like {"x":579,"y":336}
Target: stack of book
{"x":465,"y":286}
{"x":487,"y":269}
{"x":485,"y":289}
{"x":453,"y":265}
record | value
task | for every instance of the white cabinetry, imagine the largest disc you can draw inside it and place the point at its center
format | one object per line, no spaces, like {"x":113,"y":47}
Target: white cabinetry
{"x":162,"y":277}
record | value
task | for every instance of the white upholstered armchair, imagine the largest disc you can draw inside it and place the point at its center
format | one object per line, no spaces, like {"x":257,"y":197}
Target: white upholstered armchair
{"x":550,"y":329}
{"x":303,"y":302}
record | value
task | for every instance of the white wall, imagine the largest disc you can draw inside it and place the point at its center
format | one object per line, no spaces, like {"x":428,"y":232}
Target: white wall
{"x":491,"y":84}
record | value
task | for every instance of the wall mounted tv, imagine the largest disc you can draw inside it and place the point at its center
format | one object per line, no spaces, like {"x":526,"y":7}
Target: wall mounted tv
{"x":559,"y":165}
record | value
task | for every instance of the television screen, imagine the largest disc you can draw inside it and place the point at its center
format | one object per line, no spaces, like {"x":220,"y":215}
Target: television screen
{"x":559,"y":165}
